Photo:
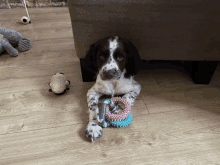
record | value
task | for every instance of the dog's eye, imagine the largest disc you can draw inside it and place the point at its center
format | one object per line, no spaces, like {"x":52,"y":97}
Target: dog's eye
{"x":119,"y":56}
{"x":103,"y":56}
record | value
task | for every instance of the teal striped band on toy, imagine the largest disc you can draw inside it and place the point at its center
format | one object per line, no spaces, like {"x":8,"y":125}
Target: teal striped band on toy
{"x":118,"y":124}
{"x":111,"y":103}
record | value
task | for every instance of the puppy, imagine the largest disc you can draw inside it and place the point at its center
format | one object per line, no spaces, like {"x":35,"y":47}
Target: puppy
{"x":115,"y":62}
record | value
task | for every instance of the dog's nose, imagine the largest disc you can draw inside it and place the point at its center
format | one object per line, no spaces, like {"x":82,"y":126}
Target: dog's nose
{"x":109,"y":74}
{"x":112,"y":72}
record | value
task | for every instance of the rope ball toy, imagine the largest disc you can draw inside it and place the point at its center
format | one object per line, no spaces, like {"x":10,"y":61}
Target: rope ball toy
{"x":108,"y":118}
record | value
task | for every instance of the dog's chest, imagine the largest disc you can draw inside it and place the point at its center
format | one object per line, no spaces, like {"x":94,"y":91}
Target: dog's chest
{"x":118,"y":87}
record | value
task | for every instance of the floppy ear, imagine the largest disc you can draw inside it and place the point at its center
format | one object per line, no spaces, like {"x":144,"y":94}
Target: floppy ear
{"x":133,"y":60}
{"x":90,"y":62}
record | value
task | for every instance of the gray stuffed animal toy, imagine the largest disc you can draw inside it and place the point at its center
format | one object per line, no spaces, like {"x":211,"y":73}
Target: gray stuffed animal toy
{"x":11,"y":39}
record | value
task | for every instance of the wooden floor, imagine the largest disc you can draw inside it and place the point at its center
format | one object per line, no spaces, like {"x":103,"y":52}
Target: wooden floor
{"x":175,"y":122}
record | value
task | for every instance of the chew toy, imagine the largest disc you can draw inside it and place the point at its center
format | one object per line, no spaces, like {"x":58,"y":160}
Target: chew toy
{"x":11,"y":39}
{"x":107,"y":118}
{"x":25,"y":20}
{"x":59,"y":84}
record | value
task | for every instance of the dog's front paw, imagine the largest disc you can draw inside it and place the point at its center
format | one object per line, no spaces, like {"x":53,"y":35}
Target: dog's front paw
{"x":130,"y":99}
{"x":93,"y":131}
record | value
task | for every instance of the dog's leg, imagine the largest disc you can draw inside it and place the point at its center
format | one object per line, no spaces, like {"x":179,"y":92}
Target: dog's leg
{"x":93,"y":130}
{"x":133,"y":93}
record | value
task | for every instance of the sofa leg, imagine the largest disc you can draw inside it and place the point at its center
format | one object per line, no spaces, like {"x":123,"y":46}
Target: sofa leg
{"x":202,"y":71}
{"x":86,"y":75}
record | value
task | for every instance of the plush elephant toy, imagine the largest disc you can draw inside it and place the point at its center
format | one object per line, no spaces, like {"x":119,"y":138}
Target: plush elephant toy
{"x":11,"y":39}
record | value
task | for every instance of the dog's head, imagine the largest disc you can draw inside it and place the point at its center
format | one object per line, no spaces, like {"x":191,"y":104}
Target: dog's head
{"x":110,"y":56}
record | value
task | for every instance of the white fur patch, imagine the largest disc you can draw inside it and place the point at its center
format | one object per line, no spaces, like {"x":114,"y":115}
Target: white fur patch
{"x":113,"y":45}
{"x":120,"y":86}
{"x":112,"y":65}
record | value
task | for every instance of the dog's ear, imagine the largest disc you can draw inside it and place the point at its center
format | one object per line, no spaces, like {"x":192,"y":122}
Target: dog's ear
{"x":90,"y":61}
{"x":133,"y":60}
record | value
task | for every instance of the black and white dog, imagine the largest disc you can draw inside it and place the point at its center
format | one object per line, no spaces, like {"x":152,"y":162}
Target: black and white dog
{"x":115,"y":61}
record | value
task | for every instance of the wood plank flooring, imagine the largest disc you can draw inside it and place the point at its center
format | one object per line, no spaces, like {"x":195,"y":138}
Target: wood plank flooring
{"x":175,"y":121}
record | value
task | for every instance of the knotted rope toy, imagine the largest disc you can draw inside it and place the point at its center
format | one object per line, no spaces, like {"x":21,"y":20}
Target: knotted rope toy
{"x":107,"y":118}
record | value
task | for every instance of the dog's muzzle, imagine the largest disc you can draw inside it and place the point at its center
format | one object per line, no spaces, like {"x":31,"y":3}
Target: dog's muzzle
{"x":110,"y":74}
